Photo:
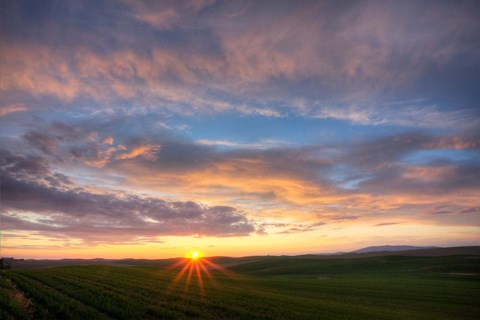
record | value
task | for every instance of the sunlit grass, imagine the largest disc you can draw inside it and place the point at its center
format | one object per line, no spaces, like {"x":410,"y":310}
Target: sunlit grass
{"x":436,"y":288}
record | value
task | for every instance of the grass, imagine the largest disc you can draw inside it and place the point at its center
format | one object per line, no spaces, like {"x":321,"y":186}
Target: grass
{"x":390,"y":287}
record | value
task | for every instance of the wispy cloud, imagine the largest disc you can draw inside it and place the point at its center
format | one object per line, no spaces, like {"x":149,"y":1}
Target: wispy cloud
{"x":401,"y":115}
{"x":12,"y":108}
{"x":383,"y":224}
{"x":263,"y":144}
{"x":246,"y":64}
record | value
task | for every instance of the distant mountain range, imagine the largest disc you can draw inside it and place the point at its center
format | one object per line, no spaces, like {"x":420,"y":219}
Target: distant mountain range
{"x":389,"y":248}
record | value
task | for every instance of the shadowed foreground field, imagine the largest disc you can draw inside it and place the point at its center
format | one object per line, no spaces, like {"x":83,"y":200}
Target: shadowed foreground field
{"x":385,"y":287}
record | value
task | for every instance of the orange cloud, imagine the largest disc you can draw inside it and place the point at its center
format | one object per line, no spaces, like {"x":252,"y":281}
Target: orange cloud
{"x":145,"y":151}
{"x":108,"y":140}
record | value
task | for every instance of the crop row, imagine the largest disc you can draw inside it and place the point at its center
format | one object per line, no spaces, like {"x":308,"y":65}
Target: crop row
{"x":141,"y":293}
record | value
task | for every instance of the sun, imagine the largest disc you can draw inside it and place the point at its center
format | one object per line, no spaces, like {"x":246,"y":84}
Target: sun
{"x":195,"y":255}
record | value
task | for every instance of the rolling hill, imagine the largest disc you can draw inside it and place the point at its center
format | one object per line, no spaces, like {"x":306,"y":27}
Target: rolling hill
{"x":440,"y":284}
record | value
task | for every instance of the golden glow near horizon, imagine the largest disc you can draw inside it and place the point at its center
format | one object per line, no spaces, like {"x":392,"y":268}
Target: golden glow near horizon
{"x":195,"y":255}
{"x":330,"y":240}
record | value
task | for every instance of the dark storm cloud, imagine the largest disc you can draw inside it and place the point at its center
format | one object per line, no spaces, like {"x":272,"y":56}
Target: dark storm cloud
{"x":66,"y":209}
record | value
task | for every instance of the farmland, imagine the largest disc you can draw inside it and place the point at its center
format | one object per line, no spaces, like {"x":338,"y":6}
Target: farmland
{"x":379,"y":287}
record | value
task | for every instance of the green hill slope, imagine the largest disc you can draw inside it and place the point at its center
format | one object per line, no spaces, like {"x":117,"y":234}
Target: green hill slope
{"x":390,"y":287}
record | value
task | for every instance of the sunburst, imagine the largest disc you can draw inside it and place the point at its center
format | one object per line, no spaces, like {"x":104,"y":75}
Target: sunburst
{"x":195,"y":265}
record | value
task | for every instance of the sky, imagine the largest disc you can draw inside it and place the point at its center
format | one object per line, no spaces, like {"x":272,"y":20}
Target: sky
{"x":147,"y":129}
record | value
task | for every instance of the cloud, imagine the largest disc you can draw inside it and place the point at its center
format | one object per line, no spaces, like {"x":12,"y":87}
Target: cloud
{"x":65,"y":209}
{"x":12,"y":108}
{"x":455,"y":142}
{"x":183,"y":108}
{"x":300,"y":228}
{"x":41,"y":140}
{"x":267,"y":173}
{"x":262,"y":111}
{"x":393,"y":148}
{"x":165,"y":14}
{"x":263,"y":144}
{"x":469,"y":210}
{"x":204,"y":57}
{"x":69,"y":143}
{"x":108,"y":140}
{"x":244,"y":184}
{"x":402,"y":115}
{"x":146,"y":151}
{"x":383,"y":224}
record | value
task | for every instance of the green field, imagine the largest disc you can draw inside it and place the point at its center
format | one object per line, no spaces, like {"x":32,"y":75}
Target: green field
{"x":385,"y":287}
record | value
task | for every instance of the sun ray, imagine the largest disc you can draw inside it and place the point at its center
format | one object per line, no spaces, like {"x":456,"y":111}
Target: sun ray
{"x":189,"y":277}
{"x":199,"y":267}
{"x":180,"y":274}
{"x":178,"y":263}
{"x":223,"y":270}
{"x":207,"y":272}
{"x":199,"y":278}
